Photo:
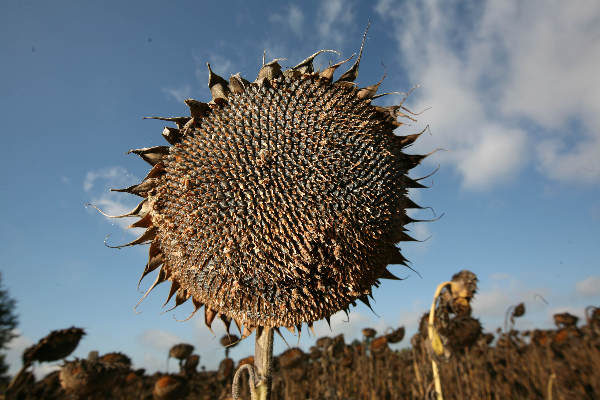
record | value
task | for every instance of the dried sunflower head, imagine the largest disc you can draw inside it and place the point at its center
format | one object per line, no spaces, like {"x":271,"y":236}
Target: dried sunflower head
{"x":181,"y":351}
{"x":280,"y":202}
{"x":56,"y":345}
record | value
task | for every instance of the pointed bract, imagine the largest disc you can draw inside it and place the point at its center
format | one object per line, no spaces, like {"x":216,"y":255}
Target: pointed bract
{"x":142,"y":223}
{"x":352,"y":73}
{"x":369,"y":91}
{"x":141,"y":189}
{"x":141,"y":210}
{"x":306,"y":66}
{"x":198,"y":109}
{"x":174,"y":287}
{"x":237,"y":84}
{"x":172,"y":135}
{"x":151,"y":155}
{"x":209,"y":317}
{"x":388,"y":275}
{"x":269,"y":71}
{"x":218,"y":86}
{"x":160,"y":278}
{"x":147,"y":236}
{"x":179,"y":121}
{"x":327,"y":74}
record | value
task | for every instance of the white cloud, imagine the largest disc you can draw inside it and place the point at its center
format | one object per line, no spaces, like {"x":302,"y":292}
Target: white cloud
{"x":292,"y":17}
{"x":113,"y":175}
{"x":15,"y":350}
{"x":410,"y":319}
{"x":580,"y":163}
{"x":496,"y":156}
{"x":159,"y":340}
{"x":333,"y":17}
{"x":220,"y":65}
{"x":152,"y":363}
{"x":157,"y":344}
{"x":588,"y":287}
{"x":43,"y":369}
{"x":179,"y":94}
{"x":487,"y":67}
{"x":96,"y":184}
{"x":490,"y":305}
{"x":492,"y":302}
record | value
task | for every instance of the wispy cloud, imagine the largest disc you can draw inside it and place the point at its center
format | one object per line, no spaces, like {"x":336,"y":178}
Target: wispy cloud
{"x":292,"y":16}
{"x":157,"y":344}
{"x":333,"y":19}
{"x":486,"y":68}
{"x":180,"y":93}
{"x":490,"y":304}
{"x":115,"y":175}
{"x":220,"y":64}
{"x":158,"y":340}
{"x":97,"y":183}
{"x":493,"y":302}
{"x":589,"y":287}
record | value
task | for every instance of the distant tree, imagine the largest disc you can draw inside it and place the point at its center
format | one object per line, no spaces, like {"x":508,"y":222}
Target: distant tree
{"x":8,"y":323}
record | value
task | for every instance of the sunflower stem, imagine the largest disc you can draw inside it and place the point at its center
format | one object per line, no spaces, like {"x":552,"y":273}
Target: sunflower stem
{"x":430,"y":333}
{"x":263,"y":362}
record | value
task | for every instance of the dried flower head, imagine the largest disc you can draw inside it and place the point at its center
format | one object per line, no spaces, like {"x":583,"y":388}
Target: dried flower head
{"x":369,"y":332}
{"x":82,"y":378}
{"x":55,"y":346}
{"x":280,"y":202}
{"x":463,"y":287}
{"x":565,"y":320}
{"x":170,"y":387}
{"x":291,"y":358}
{"x":519,"y":310}
{"x":396,"y":335}
{"x":229,"y":340}
{"x":181,"y":351}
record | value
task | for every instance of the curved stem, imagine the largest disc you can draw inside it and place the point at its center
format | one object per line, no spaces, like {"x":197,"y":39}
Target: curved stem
{"x":235,"y":387}
{"x":434,"y":366}
{"x":260,"y":374}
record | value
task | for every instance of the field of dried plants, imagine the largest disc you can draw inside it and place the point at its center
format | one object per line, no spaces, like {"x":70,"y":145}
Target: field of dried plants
{"x":561,"y":363}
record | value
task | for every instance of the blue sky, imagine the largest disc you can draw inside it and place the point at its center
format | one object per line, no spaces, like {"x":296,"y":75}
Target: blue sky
{"x":512,"y":96}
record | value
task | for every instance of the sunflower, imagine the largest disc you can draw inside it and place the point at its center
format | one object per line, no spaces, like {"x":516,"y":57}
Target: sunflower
{"x":279,"y":202}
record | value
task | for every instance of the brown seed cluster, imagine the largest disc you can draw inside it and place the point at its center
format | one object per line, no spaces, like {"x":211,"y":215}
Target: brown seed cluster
{"x":280,"y":202}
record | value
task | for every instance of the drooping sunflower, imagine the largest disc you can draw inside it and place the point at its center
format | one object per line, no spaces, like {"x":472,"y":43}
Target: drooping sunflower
{"x":279,"y":202}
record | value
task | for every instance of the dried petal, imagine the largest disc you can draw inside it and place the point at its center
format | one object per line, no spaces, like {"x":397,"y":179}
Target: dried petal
{"x":306,"y":66}
{"x":172,"y":135}
{"x":198,"y":109}
{"x":218,"y":86}
{"x":352,"y":73}
{"x":237,"y":84}
{"x":151,"y":155}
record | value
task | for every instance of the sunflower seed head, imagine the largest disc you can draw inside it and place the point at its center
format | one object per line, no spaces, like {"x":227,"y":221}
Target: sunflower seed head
{"x":280,"y":202}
